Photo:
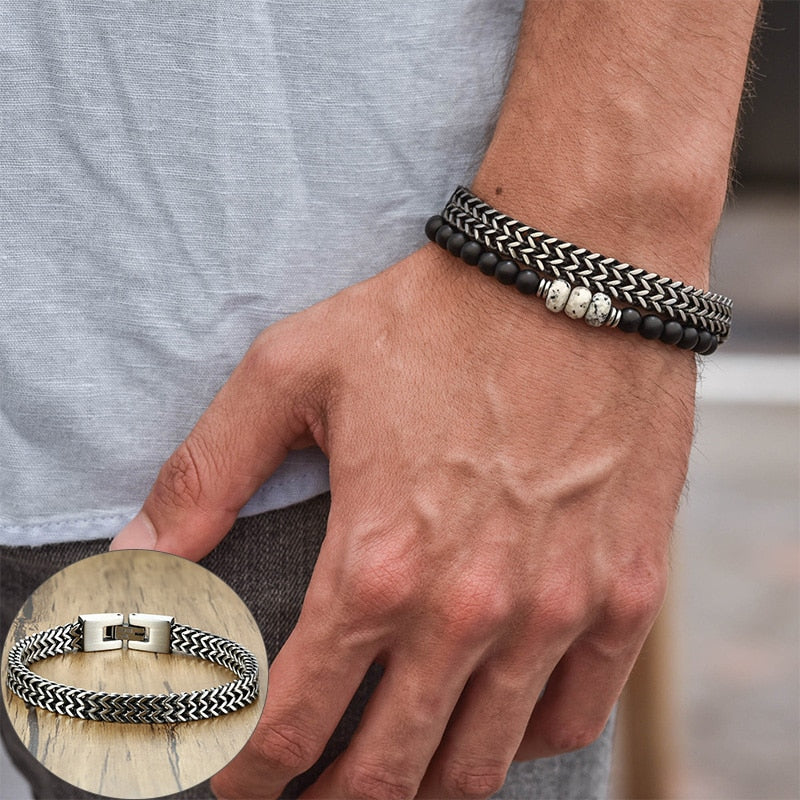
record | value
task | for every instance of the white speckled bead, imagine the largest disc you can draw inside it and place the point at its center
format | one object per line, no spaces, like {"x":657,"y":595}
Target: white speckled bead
{"x":578,"y":302}
{"x":598,"y":311}
{"x":557,"y":296}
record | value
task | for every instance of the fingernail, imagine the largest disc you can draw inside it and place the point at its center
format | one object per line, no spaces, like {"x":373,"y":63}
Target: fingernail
{"x":138,"y":534}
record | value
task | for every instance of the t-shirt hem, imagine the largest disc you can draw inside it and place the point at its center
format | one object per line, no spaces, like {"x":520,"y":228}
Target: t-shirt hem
{"x":106,"y":524}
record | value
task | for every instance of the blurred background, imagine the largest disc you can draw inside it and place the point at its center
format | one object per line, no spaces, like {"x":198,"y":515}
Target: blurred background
{"x":714,"y":711}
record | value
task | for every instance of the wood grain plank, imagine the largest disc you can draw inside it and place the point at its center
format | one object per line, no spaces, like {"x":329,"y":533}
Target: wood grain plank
{"x":135,"y":760}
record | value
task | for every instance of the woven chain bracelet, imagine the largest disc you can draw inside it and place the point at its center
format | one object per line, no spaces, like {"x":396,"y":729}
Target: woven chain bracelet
{"x":582,"y":284}
{"x":149,"y":632}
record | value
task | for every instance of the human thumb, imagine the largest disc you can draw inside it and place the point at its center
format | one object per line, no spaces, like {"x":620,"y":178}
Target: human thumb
{"x":240,"y":440}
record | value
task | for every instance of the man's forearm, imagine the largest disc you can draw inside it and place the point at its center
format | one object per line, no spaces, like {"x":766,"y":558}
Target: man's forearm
{"x":618,"y":123}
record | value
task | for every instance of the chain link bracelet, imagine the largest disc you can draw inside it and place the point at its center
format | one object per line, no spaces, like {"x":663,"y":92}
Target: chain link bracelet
{"x":153,"y":633}
{"x":583,"y":284}
{"x":578,"y":265}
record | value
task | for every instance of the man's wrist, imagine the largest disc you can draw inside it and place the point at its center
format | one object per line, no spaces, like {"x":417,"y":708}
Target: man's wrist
{"x":617,"y":127}
{"x":665,"y":229}
{"x":583,"y":284}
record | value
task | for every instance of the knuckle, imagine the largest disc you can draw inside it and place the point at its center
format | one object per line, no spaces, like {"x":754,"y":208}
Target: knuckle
{"x":379,"y":593}
{"x":281,"y":358}
{"x":180,"y":482}
{"x":373,"y":782}
{"x":287,"y":749}
{"x":472,"y":780}
{"x":280,"y":353}
{"x":561,"y":608}
{"x":635,"y":600}
{"x":380,"y":583}
{"x":564,"y":739}
{"x":265,"y":356}
{"x":467,"y":621}
{"x":476,"y":609}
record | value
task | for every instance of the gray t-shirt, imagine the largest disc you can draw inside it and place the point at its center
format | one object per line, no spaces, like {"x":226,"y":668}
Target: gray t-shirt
{"x":174,"y":177}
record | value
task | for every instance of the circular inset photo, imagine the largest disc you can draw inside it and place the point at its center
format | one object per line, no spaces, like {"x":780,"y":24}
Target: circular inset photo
{"x":134,"y":674}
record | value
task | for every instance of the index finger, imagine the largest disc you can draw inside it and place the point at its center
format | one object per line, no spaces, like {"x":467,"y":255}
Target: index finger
{"x":312,"y":681}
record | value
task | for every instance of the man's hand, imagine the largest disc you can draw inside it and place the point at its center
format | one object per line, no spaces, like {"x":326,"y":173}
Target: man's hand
{"x":503,"y":486}
{"x":503,"y":480}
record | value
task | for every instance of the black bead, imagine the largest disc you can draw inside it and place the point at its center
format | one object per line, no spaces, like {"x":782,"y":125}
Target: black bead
{"x":630,"y":320}
{"x":712,"y":347}
{"x":506,"y":272}
{"x":703,"y":342}
{"x":456,"y":242}
{"x":652,"y":327}
{"x":672,"y":332}
{"x":487,"y":263}
{"x":471,"y":252}
{"x":689,"y":338}
{"x":527,"y":282}
{"x":443,"y":234}
{"x":433,"y":225}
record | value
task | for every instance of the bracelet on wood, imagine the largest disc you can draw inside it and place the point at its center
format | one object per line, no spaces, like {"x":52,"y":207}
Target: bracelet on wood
{"x":585,"y":285}
{"x":155,"y":633}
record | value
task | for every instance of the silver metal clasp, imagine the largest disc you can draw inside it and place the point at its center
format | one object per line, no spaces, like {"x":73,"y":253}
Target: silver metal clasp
{"x":150,"y":632}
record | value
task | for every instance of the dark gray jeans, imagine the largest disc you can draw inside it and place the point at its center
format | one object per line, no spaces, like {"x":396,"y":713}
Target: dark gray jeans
{"x":268,"y":560}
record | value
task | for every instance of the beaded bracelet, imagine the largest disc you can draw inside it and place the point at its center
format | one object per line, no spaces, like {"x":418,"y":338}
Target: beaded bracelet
{"x":564,"y":260}
{"x":578,"y":282}
{"x":620,"y":281}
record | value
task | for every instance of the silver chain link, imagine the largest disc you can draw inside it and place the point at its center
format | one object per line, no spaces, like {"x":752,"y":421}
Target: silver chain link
{"x":134,"y":708}
{"x":535,"y":249}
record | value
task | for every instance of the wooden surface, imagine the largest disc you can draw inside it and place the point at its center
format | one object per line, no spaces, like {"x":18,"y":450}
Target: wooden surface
{"x":135,"y":760}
